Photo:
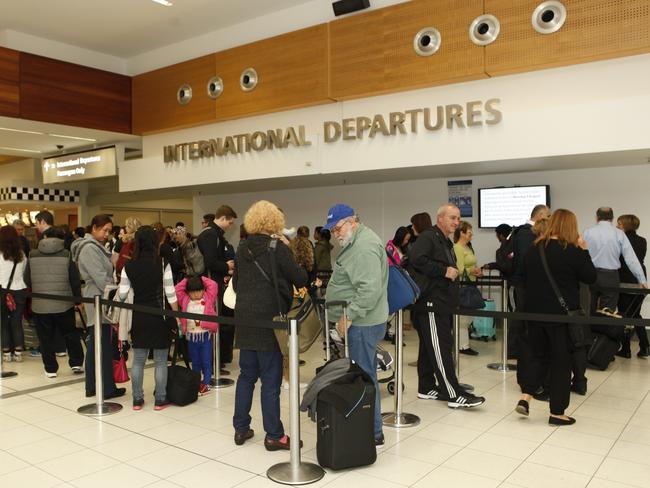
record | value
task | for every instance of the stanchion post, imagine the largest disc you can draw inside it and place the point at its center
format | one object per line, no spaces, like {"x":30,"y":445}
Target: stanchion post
{"x":100,"y":407}
{"x":397,"y":418}
{"x":4,"y":374}
{"x":503,"y":365}
{"x":345,"y":331}
{"x":294,"y":472}
{"x":218,"y":381}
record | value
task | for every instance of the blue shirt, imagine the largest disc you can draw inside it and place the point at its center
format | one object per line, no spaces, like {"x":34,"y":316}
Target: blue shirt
{"x":607,"y":244}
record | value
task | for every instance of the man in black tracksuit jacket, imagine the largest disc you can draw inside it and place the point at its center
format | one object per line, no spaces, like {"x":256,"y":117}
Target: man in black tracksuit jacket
{"x":213,"y":246}
{"x":432,"y":262}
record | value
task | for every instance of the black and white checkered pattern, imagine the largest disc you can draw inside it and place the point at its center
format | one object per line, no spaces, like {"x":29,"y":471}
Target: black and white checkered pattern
{"x":29,"y":194}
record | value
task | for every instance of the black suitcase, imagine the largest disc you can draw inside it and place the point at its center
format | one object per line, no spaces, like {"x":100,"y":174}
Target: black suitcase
{"x":346,"y":439}
{"x":602,"y":351}
{"x":182,"y":382}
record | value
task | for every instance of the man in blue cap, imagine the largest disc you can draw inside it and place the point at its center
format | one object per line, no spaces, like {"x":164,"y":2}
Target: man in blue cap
{"x":360,"y":277}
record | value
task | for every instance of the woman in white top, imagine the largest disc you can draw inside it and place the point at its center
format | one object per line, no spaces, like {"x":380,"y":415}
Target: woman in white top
{"x":12,"y":269}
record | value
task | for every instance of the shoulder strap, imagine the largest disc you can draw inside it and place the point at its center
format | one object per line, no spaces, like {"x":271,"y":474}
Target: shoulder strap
{"x":556,"y":289}
{"x":391,"y":258}
{"x":272,"y":248}
{"x":11,"y":276}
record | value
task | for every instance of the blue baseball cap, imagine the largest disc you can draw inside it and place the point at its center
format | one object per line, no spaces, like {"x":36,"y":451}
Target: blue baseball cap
{"x":336,"y":213}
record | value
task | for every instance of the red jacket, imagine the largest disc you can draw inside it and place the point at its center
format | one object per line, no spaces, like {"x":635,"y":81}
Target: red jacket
{"x":209,"y":297}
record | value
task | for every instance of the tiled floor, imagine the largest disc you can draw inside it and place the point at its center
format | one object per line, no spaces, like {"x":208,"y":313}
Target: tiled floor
{"x":45,"y":443}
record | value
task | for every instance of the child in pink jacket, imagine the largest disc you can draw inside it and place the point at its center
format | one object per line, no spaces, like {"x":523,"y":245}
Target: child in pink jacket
{"x":197,"y":295}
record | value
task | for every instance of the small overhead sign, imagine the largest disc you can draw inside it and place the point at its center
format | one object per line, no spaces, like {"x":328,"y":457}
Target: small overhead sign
{"x":80,"y":166}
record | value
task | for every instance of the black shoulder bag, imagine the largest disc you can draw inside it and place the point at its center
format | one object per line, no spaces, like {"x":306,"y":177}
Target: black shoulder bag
{"x":578,"y":333}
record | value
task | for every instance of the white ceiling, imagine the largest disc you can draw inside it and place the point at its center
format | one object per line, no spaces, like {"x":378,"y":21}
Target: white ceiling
{"x":125,"y":28}
{"x":32,"y":139}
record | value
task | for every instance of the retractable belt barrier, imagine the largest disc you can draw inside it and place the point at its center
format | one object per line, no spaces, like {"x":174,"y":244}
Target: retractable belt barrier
{"x":294,"y":472}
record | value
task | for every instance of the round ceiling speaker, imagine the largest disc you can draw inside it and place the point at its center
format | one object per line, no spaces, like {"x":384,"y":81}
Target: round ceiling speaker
{"x":427,"y":41}
{"x":248,"y":79}
{"x":215,"y":87}
{"x":184,"y":94}
{"x":484,"y":30}
{"x":549,"y":17}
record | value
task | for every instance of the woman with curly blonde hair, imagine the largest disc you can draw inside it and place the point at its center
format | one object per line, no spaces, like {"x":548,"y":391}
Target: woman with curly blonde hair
{"x":260,"y":356}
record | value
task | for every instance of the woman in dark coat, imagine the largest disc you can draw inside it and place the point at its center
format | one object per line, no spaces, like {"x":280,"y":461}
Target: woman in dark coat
{"x":260,"y":356}
{"x":549,"y":344}
{"x":630,"y":305}
{"x":151,"y":279}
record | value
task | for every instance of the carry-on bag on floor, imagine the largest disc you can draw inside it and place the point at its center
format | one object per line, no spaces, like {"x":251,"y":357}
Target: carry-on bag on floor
{"x":483,"y":328}
{"x":602,"y":351}
{"x":182,"y":382}
{"x":345,"y":424}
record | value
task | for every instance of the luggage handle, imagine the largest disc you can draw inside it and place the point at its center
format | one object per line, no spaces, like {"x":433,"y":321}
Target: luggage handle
{"x":344,"y":304}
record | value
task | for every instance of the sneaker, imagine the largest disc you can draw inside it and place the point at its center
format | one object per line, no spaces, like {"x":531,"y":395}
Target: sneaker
{"x":643,"y":353}
{"x":241,"y":437}
{"x":432,"y":395}
{"x":50,"y":375}
{"x":35,"y":353}
{"x":203,"y":389}
{"x":138,"y":404}
{"x":6,"y":357}
{"x":466,"y":400}
{"x":60,"y":354}
{"x":283,"y":444}
{"x":161,"y":405}
{"x":469,"y":351}
{"x":77,"y":370}
{"x":17,"y":356}
{"x":379,"y":442}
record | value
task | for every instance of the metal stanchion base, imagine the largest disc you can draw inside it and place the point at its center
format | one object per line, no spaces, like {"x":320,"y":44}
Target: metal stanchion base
{"x":106,"y":408}
{"x":303,"y":474}
{"x":8,"y":374}
{"x":466,"y":387}
{"x":221,"y":382}
{"x":391,"y":419}
{"x":502,"y":367}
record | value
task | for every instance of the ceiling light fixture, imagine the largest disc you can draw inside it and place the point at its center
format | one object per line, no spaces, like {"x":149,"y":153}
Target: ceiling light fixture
{"x":163,"y":2}
{"x":22,"y":131}
{"x":73,"y":137}
{"x":18,"y":149}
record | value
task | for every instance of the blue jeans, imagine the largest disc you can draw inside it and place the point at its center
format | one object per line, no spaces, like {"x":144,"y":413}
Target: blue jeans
{"x":267,"y":366}
{"x":201,"y":355}
{"x":363,"y":342}
{"x":107,"y":360}
{"x":159,"y":374}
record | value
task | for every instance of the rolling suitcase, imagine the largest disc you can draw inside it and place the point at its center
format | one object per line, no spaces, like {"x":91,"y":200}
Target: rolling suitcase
{"x":602,"y":351}
{"x":483,"y":328}
{"x":345,"y":413}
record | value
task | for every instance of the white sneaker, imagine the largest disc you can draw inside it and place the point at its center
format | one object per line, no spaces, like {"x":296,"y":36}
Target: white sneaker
{"x":50,"y":375}
{"x":77,"y":370}
{"x":285,"y":385}
{"x":60,"y":354}
{"x":17,"y":357}
{"x":6,"y":357}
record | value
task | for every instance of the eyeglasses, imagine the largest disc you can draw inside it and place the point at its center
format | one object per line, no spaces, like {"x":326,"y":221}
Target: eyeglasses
{"x":337,"y":228}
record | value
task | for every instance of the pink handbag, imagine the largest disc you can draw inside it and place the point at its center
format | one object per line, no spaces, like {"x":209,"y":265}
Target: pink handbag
{"x":120,"y":372}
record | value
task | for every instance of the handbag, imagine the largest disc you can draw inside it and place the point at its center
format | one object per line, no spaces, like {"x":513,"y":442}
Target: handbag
{"x":120,"y":372}
{"x":402,"y":290}
{"x":470,"y":296}
{"x":229,"y":296}
{"x":9,"y":298}
{"x":170,"y":322}
{"x":182,"y":382}
{"x":578,"y":333}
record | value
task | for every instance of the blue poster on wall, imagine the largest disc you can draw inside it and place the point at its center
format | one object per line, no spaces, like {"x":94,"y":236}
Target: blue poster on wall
{"x":460,"y":194}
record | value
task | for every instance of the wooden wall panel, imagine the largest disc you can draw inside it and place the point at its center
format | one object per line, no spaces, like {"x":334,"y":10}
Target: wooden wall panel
{"x":66,"y":93}
{"x":292,"y":71}
{"x":9,"y":82}
{"x":155,"y":107}
{"x":594,"y":30}
{"x":373,"y":53}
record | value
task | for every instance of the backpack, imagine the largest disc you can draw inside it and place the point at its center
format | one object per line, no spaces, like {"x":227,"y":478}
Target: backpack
{"x":193,"y":259}
{"x":505,"y":256}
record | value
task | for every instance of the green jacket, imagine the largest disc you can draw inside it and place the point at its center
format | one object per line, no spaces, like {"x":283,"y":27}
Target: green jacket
{"x":360,"y":277}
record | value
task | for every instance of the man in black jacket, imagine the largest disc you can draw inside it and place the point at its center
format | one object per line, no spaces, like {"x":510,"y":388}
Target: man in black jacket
{"x":213,"y":246}
{"x":433,"y":265}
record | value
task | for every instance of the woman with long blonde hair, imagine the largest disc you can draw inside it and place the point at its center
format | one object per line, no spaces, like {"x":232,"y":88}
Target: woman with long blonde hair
{"x":549,"y":344}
